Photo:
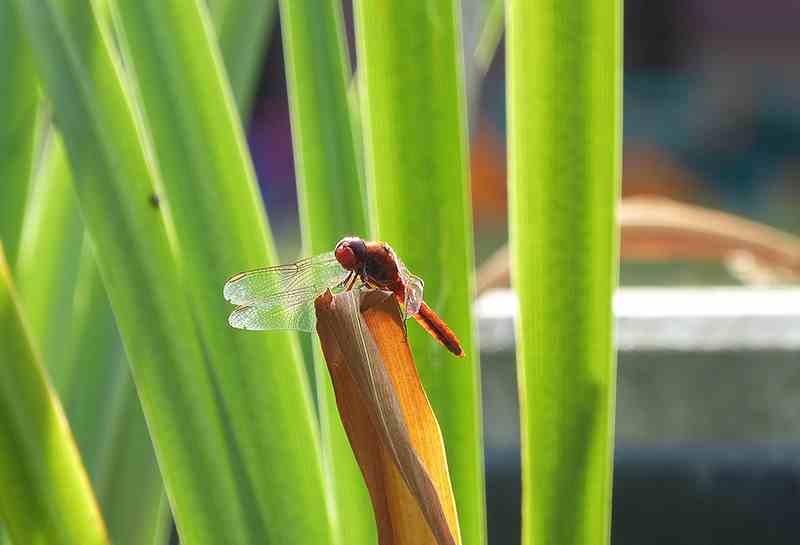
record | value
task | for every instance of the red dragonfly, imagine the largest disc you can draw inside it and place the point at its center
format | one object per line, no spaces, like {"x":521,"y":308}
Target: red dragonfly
{"x":282,"y":297}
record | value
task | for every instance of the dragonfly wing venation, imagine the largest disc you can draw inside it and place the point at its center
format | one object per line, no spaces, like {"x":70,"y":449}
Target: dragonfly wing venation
{"x":414,"y":287}
{"x":280,"y":285}
{"x":413,"y":294}
{"x":299,"y":316}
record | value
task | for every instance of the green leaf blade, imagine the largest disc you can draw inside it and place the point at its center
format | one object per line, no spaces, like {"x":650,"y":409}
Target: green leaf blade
{"x":330,"y":194}
{"x":18,"y":105}
{"x":243,"y":30}
{"x":564,"y":167}
{"x":45,"y":495}
{"x":210,"y":188}
{"x":134,"y":244}
{"x":47,"y":263}
{"x":114,"y":442}
{"x":68,"y":314}
{"x":414,"y":127}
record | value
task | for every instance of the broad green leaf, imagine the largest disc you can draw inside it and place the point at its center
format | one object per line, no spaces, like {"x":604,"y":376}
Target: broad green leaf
{"x":414,"y":129}
{"x":135,"y":246}
{"x":18,"y":105}
{"x":332,"y":205}
{"x":243,"y":29}
{"x":45,"y":497}
{"x":564,"y":165}
{"x":210,"y":189}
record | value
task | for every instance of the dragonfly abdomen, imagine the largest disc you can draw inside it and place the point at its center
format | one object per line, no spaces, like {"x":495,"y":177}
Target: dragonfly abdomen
{"x":434,"y":325}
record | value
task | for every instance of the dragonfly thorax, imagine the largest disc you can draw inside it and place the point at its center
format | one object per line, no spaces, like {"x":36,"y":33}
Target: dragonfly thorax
{"x":380,"y":269}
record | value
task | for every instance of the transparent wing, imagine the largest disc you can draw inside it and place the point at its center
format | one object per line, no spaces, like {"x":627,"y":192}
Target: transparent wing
{"x":414,"y":286}
{"x":285,"y":285}
{"x":299,"y":316}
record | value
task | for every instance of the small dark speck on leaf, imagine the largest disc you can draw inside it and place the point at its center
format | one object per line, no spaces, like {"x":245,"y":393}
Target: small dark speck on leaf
{"x":154,"y":201}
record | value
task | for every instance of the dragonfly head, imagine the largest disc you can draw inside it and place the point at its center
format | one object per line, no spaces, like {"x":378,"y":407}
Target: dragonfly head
{"x":351,"y":252}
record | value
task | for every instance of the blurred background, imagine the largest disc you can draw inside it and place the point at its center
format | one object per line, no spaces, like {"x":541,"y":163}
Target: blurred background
{"x":707,"y":440}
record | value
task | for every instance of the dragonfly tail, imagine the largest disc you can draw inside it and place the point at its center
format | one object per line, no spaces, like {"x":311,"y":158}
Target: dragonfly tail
{"x":434,"y":325}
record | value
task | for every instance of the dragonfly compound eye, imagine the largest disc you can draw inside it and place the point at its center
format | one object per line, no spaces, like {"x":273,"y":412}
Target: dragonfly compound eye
{"x":346,"y":256}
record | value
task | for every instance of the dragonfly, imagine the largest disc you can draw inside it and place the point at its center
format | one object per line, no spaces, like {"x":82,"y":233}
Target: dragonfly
{"x":282,"y":297}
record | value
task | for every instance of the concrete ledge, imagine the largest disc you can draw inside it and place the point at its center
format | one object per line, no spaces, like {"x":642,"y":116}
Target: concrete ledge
{"x":675,"y":319}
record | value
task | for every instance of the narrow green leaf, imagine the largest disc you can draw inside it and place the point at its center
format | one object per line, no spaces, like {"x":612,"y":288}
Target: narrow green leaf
{"x":210,"y":188}
{"x":18,"y":103}
{"x":414,"y":128}
{"x":90,"y":363}
{"x":163,"y":531}
{"x":47,"y":262}
{"x":318,"y":75}
{"x":564,"y":164}
{"x":243,"y":30}
{"x":134,"y":242}
{"x":127,"y":467}
{"x":46,"y":269}
{"x":45,"y":496}
{"x":83,"y":352}
{"x":115,"y":443}
{"x":331,"y":198}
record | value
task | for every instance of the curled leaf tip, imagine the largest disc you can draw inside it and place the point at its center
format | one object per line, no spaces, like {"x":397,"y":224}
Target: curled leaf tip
{"x":388,"y":419}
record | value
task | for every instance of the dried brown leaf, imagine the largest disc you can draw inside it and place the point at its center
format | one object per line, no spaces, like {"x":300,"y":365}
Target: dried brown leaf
{"x":387,"y":417}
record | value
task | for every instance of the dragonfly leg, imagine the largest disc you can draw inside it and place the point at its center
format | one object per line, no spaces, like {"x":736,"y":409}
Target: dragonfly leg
{"x":350,"y":281}
{"x":344,"y":282}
